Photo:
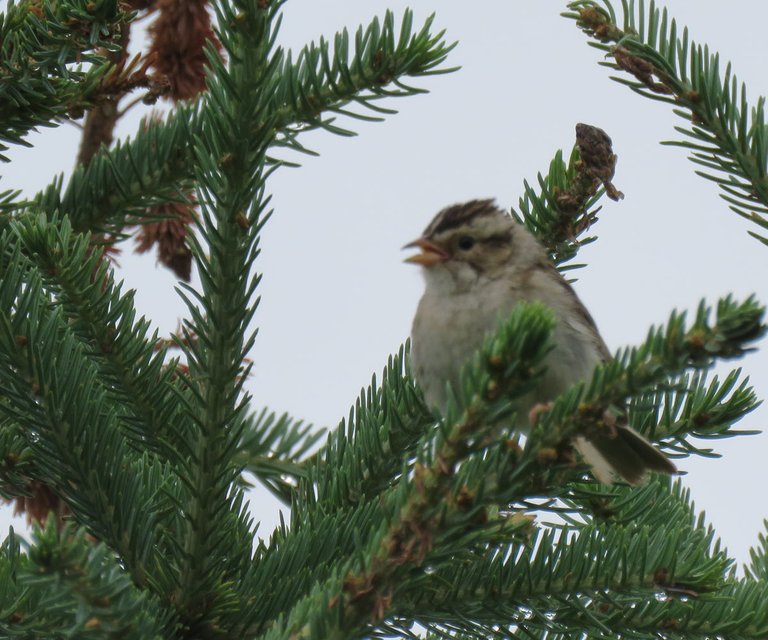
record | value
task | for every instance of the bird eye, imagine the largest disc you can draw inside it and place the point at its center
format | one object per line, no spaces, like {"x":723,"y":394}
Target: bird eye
{"x":465,"y":243}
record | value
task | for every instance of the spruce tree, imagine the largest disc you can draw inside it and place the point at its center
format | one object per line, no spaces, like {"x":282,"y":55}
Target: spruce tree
{"x":128,"y":448}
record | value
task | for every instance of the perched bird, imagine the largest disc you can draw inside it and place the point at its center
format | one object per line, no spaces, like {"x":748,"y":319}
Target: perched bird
{"x":479,"y":263}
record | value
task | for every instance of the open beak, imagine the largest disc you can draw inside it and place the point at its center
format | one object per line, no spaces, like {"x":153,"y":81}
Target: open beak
{"x":430,"y":254}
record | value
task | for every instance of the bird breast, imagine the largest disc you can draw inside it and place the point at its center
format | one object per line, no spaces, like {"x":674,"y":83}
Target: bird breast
{"x":450,"y":326}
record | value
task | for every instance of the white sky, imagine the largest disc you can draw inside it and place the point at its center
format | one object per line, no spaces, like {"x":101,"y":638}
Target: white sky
{"x":337,"y":299}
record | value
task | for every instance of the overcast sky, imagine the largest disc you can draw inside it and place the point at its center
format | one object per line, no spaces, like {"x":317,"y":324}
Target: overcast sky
{"x":336,"y":297}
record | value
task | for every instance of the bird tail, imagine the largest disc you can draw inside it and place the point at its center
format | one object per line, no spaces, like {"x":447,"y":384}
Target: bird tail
{"x":624,"y":453}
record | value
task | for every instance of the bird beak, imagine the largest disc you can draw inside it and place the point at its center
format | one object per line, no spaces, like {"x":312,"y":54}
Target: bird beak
{"x":430,"y":254}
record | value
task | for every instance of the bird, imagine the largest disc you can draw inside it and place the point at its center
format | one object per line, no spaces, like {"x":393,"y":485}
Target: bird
{"x":478,"y":263}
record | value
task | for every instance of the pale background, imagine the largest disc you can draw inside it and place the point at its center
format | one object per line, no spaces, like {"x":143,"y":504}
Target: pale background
{"x":337,"y":299}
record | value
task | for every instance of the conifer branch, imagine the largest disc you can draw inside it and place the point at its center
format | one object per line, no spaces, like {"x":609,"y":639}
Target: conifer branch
{"x":121,"y":184}
{"x":545,"y":466}
{"x":325,"y":80}
{"x":157,"y":165}
{"x":272,"y":448}
{"x":66,"y":586}
{"x":757,"y":569}
{"x":364,"y":455}
{"x":51,"y":388}
{"x":736,"y":611}
{"x":688,"y":406}
{"x":230,"y":171}
{"x":725,"y":135}
{"x":429,"y":509}
{"x":17,"y":467}
{"x":315,"y":542}
{"x":667,"y":353}
{"x":43,"y":47}
{"x":574,"y":580}
{"x":442,"y":503}
{"x":565,"y":206}
{"x":133,"y":370}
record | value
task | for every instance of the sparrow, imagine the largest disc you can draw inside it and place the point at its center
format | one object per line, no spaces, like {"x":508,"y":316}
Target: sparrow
{"x":478,"y":263}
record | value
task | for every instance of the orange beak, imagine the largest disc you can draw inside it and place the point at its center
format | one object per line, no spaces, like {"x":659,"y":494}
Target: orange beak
{"x":430,"y":254}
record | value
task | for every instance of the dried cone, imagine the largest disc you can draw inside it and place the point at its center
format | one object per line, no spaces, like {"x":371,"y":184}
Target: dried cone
{"x":179,"y":36}
{"x":169,"y":236}
{"x":41,"y":501}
